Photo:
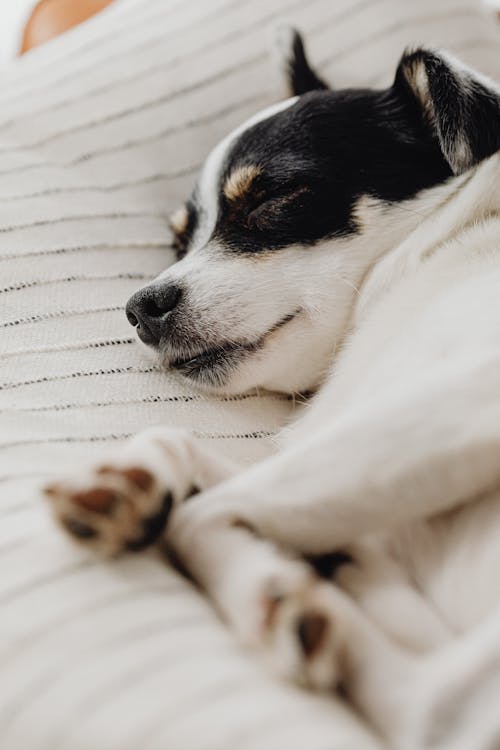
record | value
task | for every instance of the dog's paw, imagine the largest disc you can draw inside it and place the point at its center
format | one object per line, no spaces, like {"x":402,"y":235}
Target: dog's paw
{"x":302,"y":632}
{"x":123,"y":503}
{"x":291,"y":618}
{"x":113,"y":507}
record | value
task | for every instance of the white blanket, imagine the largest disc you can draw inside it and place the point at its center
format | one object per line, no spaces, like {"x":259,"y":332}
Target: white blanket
{"x":101,"y":135}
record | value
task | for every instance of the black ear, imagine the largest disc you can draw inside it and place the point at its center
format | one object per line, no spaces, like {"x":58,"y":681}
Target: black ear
{"x":461,"y":107}
{"x":299,"y":76}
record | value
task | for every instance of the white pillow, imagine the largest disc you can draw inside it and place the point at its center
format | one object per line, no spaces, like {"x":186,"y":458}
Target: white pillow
{"x":101,"y":135}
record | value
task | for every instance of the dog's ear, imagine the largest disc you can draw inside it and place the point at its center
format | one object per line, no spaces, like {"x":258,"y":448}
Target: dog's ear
{"x":295,"y":69}
{"x":461,"y":107}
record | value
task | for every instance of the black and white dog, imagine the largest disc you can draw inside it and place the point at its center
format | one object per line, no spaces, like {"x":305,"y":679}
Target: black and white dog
{"x":347,"y":240}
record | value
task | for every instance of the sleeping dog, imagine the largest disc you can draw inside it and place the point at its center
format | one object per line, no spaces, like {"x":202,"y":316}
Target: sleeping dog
{"x":346,"y":242}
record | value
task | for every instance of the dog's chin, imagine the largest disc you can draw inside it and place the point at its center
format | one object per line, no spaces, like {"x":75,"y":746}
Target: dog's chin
{"x":215,"y":368}
{"x":210,"y":369}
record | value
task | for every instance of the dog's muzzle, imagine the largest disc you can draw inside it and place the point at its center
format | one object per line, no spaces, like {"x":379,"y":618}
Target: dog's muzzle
{"x":149,"y":309}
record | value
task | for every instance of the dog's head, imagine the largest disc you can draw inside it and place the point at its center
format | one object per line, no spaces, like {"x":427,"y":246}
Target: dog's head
{"x":292,"y":209}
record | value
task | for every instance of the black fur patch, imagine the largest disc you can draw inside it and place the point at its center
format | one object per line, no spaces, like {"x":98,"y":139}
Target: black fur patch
{"x":152,"y":527}
{"x":78,"y":529}
{"x":317,"y":158}
{"x":327,"y":565}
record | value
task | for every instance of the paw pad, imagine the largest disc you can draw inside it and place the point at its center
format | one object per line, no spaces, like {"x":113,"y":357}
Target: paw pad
{"x":312,"y":629}
{"x":78,"y":529}
{"x":136,"y":475}
{"x":98,"y":499}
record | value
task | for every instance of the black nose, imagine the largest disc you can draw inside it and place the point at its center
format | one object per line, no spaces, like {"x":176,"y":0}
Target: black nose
{"x":149,"y":308}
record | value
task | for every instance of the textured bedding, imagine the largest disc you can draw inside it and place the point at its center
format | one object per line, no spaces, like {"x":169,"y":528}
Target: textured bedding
{"x":101,"y":135}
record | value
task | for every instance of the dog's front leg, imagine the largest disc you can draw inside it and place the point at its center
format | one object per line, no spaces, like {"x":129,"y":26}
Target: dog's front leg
{"x":409,"y":456}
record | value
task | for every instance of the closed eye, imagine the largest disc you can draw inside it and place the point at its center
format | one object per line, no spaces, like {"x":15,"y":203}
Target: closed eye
{"x":275,"y":209}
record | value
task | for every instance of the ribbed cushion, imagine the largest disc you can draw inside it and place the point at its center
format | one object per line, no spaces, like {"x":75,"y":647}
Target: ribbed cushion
{"x":101,"y":135}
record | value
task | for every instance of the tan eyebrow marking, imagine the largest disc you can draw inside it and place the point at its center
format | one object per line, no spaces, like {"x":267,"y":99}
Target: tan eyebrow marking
{"x":240,"y":181}
{"x":179,"y":220}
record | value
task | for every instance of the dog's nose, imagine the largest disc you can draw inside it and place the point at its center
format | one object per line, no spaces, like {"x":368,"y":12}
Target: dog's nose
{"x":148,"y":310}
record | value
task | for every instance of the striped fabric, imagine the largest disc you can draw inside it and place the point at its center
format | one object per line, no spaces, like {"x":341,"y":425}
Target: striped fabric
{"x":101,"y":134}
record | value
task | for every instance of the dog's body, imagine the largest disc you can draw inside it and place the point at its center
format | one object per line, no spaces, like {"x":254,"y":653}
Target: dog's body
{"x":390,"y":481}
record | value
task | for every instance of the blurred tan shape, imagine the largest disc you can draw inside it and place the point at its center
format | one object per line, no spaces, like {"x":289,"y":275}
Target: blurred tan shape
{"x":52,"y":17}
